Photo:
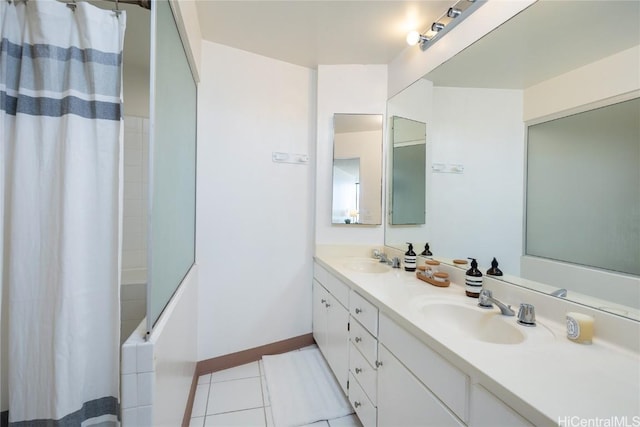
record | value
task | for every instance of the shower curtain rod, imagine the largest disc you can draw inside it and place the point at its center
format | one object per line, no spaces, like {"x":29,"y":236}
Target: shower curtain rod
{"x":142,"y":3}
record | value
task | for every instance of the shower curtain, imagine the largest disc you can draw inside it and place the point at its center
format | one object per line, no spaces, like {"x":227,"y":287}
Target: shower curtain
{"x":60,"y":142}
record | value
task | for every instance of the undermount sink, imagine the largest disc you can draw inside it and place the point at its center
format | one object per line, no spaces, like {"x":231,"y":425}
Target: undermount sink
{"x":472,"y":322}
{"x":366,"y":265}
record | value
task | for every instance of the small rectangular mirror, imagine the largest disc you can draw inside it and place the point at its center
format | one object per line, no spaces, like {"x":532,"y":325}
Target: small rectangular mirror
{"x":357,"y":169}
{"x":408,"y":178}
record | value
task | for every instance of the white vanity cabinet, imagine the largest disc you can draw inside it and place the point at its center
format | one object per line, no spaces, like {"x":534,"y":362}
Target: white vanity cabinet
{"x":331,"y":322}
{"x":415,"y":384}
{"x":363,"y":358}
{"x":404,"y":401}
{"x":489,"y":411}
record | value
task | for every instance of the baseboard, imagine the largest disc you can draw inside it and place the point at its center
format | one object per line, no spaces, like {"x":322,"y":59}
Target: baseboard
{"x":241,"y":358}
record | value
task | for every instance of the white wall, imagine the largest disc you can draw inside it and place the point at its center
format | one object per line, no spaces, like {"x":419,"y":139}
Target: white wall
{"x":601,"y":80}
{"x":481,"y":209}
{"x":254,"y":217}
{"x":175,"y":350}
{"x":188,"y":23}
{"x":344,"y":89}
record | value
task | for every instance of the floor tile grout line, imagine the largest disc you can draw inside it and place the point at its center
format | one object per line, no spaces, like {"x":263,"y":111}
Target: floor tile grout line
{"x":234,"y":379}
{"x":206,"y":405}
{"x":237,"y":410}
{"x":264,"y":412}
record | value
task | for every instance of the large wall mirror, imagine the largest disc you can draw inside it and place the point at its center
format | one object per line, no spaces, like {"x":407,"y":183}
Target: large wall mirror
{"x":582,"y":206}
{"x":478,"y":106}
{"x":357,"y":169}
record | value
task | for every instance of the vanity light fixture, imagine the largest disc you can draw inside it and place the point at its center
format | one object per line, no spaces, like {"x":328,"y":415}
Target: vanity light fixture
{"x":453,"y":12}
{"x":456,"y":13}
{"x":414,"y":37}
{"x":437,"y":27}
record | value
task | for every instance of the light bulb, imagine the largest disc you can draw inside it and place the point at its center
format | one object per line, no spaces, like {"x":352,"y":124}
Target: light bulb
{"x":413,"y":38}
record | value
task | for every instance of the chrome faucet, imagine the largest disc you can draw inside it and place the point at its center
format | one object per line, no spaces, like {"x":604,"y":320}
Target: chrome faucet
{"x":561,"y":293}
{"x":383,"y":258}
{"x":486,"y":300}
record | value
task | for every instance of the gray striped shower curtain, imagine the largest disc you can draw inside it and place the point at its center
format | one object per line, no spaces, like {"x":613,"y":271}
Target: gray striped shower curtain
{"x":60,"y":168}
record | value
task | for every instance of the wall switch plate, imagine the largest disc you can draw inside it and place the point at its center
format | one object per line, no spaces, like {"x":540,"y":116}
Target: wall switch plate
{"x":447,"y":168}
{"x":282,"y":157}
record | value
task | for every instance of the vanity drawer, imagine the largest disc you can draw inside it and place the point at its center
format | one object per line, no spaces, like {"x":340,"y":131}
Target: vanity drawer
{"x":365,"y":410}
{"x":450,"y":384}
{"x":365,"y":312}
{"x":332,"y":284}
{"x":363,"y":341}
{"x":364,"y":373}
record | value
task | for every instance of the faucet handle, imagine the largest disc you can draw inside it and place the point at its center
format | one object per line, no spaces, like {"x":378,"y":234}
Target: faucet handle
{"x":484,"y":300}
{"x":395,"y":263}
{"x":527,"y":315}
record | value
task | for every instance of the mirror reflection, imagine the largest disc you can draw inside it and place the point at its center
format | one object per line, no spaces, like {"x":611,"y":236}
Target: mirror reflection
{"x":478,"y":107}
{"x":357,"y":169}
{"x":408,"y":180}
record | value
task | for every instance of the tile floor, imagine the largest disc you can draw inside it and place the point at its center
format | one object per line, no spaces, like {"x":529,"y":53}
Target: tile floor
{"x":239,"y":397}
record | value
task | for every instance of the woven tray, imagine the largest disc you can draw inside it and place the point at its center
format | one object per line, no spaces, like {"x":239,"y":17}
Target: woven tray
{"x":433,"y":282}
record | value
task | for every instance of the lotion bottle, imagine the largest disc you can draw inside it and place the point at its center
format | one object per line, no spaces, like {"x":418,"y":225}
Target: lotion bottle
{"x":473,"y":280}
{"x":410,"y":259}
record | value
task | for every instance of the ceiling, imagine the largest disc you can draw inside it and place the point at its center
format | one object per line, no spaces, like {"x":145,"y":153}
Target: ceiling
{"x":309,"y":33}
{"x":548,"y":38}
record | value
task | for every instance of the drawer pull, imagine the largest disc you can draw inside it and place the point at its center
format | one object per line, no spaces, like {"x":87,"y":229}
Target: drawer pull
{"x":357,"y":404}
{"x":327,"y":305}
{"x":358,"y":311}
{"x":358,"y":339}
{"x":378,"y":363}
{"x":358,"y":370}
{"x":322,"y":301}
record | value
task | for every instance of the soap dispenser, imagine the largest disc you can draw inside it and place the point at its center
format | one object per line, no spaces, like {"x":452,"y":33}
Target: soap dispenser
{"x":410,"y":259}
{"x":473,"y":280}
{"x":426,"y":251}
{"x":494,"y":270}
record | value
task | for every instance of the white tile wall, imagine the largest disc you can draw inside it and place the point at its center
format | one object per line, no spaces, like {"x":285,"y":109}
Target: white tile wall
{"x":137,"y":381}
{"x":134,"y":223}
{"x":133,"y":305}
{"x":136,"y":151}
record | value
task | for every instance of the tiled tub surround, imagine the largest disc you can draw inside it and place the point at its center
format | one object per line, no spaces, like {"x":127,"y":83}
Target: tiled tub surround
{"x":134,"y":224}
{"x":134,"y":234}
{"x":133,"y":304}
{"x":545,"y":380}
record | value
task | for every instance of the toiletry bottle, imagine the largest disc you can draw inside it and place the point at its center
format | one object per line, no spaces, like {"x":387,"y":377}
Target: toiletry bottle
{"x":426,"y":251}
{"x":410,"y":259}
{"x":473,"y":280}
{"x":494,"y":270}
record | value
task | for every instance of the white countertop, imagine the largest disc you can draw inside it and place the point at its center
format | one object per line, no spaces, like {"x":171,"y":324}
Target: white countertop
{"x":546,"y":377}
